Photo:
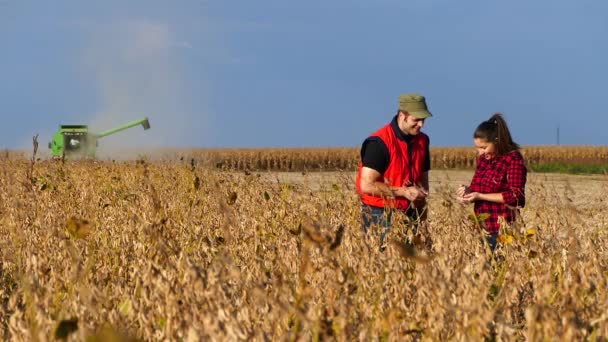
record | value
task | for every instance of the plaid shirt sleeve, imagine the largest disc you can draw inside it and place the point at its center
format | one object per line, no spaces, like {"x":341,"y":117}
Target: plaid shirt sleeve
{"x":514,"y":196}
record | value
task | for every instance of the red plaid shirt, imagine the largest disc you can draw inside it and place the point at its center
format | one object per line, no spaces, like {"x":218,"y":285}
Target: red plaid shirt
{"x":501,"y":174}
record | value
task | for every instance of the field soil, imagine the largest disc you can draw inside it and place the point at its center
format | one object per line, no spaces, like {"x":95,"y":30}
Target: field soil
{"x":581,"y":190}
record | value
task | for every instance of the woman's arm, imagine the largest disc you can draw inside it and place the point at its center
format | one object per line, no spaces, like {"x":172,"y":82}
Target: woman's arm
{"x":516,"y":182}
{"x":477,"y":196}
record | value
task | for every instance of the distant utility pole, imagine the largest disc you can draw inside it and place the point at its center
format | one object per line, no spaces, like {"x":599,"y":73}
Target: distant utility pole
{"x":558,"y":135}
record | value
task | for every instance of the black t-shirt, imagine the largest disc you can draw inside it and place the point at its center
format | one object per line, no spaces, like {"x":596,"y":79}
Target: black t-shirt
{"x":374,"y":154}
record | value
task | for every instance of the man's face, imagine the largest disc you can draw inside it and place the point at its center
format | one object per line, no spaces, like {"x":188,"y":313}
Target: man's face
{"x":410,"y":124}
{"x":484,"y":147}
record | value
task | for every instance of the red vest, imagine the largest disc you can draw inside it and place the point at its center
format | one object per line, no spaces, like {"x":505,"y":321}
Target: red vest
{"x":401,"y":171}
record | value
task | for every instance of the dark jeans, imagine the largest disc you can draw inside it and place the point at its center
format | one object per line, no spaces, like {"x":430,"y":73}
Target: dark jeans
{"x":492,"y":241}
{"x":382,"y":218}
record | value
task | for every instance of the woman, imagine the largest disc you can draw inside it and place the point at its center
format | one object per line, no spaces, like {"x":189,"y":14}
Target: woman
{"x":498,"y":186}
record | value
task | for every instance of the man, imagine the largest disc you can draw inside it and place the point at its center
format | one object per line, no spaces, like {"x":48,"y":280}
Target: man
{"x":395,"y":161}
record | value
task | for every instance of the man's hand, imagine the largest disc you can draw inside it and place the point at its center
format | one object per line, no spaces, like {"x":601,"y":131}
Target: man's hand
{"x":414,"y":193}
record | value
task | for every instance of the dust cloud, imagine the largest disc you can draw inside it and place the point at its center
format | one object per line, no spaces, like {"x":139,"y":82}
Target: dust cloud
{"x":138,"y":73}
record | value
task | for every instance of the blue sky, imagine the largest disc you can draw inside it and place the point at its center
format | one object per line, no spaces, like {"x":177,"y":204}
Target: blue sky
{"x":307,"y":73}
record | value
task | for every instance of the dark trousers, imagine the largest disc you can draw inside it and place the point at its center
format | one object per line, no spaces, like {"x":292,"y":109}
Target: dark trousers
{"x":382,"y":218}
{"x":492,"y":241}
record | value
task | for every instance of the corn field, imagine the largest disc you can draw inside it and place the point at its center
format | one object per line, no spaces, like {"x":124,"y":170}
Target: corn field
{"x":347,"y":158}
{"x":332,"y":159}
{"x":191,"y":250}
{"x":339,"y":158}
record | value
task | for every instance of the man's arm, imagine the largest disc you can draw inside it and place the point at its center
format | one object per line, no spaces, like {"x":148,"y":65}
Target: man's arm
{"x":371,"y":185}
{"x":424,"y":181}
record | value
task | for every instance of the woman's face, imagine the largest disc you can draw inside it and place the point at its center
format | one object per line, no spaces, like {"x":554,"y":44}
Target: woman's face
{"x":484,"y":147}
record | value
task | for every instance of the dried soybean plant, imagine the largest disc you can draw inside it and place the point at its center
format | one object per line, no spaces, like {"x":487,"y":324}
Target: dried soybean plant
{"x":176,"y":250}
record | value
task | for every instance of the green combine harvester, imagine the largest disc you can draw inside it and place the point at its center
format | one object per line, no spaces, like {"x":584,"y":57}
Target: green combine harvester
{"x":75,"y":141}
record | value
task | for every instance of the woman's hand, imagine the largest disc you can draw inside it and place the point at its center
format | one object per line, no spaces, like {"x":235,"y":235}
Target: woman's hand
{"x":462,"y":190}
{"x":471,"y":197}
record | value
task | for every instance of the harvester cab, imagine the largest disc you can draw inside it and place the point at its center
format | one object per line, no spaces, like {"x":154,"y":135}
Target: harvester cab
{"x":75,"y":141}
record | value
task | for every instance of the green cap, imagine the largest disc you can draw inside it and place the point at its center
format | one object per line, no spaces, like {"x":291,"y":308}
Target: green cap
{"x":415,"y":105}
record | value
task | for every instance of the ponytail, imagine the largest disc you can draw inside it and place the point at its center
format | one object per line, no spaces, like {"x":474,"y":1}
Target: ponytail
{"x":496,"y":130}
